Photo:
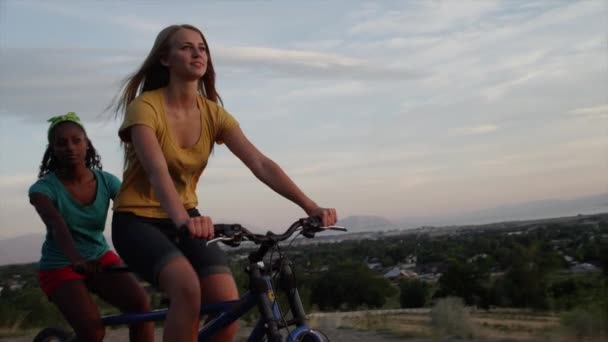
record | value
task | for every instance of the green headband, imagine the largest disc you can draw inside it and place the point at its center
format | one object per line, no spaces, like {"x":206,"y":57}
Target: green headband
{"x":56,"y":120}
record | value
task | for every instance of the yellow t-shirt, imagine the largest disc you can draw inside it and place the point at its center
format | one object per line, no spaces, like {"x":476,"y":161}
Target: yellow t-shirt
{"x":185,"y":165}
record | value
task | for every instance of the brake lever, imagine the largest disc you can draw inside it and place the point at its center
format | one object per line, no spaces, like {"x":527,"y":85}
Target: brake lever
{"x":218,"y":239}
{"x":312,"y":230}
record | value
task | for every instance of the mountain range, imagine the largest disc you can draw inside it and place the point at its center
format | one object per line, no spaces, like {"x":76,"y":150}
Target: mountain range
{"x":26,"y":248}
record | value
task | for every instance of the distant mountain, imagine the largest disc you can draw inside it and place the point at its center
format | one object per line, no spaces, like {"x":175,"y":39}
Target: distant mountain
{"x":363,"y":223}
{"x":26,"y":248}
{"x":522,"y":211}
{"x":21,"y":249}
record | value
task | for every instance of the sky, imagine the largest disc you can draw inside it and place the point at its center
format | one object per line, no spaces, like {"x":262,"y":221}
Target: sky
{"x":388,"y":108}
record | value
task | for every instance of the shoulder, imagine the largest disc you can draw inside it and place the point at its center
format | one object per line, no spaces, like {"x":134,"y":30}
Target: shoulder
{"x":47,"y":181}
{"x":143,"y":110}
{"x":149,"y":99}
{"x":46,"y":185}
{"x":106,"y":176}
{"x":216,"y":111}
{"x":213,"y":107}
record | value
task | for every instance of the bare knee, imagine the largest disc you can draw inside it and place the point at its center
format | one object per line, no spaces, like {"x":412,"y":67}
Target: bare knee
{"x":140,"y":303}
{"x":181,"y":284}
{"x":94,"y":332}
{"x":219,"y":287}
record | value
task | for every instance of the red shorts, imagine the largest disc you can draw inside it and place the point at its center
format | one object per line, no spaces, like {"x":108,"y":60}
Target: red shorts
{"x":50,"y":280}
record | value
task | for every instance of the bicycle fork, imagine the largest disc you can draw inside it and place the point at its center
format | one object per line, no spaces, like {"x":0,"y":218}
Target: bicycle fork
{"x":289,"y":286}
{"x":261,"y":288}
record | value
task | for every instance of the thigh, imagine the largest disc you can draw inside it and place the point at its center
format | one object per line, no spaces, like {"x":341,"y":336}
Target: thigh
{"x":142,"y":244}
{"x":218,"y":287}
{"x":205,"y":259}
{"x":76,"y":304}
{"x":121,"y":290}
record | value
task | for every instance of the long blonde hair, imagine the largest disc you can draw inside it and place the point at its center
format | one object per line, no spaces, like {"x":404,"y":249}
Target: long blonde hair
{"x":153,"y":75}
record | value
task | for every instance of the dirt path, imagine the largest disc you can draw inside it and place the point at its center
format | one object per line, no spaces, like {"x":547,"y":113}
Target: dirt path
{"x":334,"y":334}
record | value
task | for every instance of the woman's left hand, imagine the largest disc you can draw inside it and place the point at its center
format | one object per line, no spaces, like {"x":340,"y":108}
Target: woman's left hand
{"x":328,"y":216}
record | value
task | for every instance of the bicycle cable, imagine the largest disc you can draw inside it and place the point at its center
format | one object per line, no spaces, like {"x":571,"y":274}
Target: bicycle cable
{"x":274,"y":280}
{"x":278,"y":288}
{"x":293,"y":274}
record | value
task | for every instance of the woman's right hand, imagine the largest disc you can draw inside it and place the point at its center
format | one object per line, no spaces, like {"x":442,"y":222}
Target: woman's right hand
{"x":199,"y":227}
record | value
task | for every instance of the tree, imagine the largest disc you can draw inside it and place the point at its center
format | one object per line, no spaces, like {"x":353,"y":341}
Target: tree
{"x":350,"y":285}
{"x":464,"y":280}
{"x":414,"y":293}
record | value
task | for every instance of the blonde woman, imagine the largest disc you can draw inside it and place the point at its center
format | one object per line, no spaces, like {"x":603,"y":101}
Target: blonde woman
{"x":169,"y":130}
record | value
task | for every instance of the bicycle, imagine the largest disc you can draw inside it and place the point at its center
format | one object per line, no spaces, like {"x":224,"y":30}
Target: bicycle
{"x":261,"y":292}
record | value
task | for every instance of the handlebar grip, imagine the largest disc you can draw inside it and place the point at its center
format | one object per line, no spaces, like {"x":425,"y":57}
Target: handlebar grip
{"x":313,"y":221}
{"x":227,"y":230}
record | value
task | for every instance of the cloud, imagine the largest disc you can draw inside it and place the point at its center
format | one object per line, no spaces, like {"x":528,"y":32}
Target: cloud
{"x":94,"y":14}
{"x":422,"y":18}
{"x":302,"y":63}
{"x":566,"y":155}
{"x":477,"y":130}
{"x":339,"y":89}
{"x":17,"y":181}
{"x":494,"y":92}
{"x":600,"y":111}
{"x":86,"y":80}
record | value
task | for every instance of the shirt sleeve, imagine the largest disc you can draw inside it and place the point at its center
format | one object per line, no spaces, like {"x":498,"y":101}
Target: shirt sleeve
{"x":224,"y":122}
{"x":43,"y":187}
{"x":139,"y":112}
{"x":113,"y":184}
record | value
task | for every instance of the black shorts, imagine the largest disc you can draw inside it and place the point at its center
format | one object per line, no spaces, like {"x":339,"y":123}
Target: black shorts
{"x":146,"y":245}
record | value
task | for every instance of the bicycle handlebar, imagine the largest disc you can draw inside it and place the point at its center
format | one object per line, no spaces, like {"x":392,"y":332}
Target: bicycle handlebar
{"x":233,"y":234}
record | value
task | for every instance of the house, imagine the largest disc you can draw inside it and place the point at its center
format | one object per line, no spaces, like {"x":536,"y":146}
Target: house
{"x":396,"y":273}
{"x":584,"y":268}
{"x":477,"y":257}
{"x":374,"y":266}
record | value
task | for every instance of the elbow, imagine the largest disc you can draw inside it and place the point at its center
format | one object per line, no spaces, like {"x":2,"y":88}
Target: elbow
{"x":268,"y":172}
{"x":157,"y":173}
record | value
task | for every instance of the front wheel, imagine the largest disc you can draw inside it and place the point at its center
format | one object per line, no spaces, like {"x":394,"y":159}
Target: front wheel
{"x":308,"y":335}
{"x":53,"y":335}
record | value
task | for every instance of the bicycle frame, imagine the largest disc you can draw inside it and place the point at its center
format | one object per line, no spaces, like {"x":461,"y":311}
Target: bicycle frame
{"x":261,"y":294}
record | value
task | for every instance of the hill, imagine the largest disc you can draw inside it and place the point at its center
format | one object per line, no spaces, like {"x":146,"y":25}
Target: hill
{"x":26,"y":248}
{"x":21,"y":249}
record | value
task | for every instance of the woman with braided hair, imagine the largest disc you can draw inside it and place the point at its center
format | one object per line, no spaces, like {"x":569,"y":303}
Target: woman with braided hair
{"x":72,"y":197}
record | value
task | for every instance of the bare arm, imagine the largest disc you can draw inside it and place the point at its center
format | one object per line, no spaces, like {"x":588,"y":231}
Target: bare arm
{"x":272,"y":175}
{"x":151,"y":157}
{"x":153,"y":161}
{"x":56,"y":225}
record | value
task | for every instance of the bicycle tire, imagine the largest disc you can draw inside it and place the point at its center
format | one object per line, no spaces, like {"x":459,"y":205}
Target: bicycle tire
{"x":314,"y":336}
{"x":53,"y":335}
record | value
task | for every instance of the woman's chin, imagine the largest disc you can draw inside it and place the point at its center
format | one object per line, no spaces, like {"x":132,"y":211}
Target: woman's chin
{"x":73,"y":163}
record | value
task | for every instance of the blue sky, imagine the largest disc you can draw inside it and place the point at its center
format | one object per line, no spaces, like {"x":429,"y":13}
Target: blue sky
{"x":398,"y":109}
